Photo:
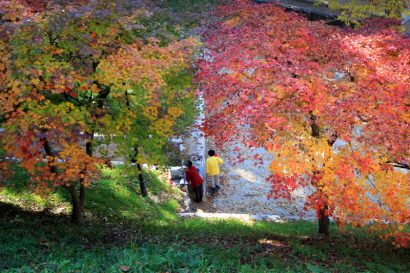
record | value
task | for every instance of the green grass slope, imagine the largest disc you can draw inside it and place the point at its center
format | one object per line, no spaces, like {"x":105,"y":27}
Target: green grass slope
{"x":124,"y":232}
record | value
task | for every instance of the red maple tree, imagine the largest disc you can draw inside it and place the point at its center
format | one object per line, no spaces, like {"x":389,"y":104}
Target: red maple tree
{"x":276,"y":80}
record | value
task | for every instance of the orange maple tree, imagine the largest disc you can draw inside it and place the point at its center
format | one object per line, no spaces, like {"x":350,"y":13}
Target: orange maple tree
{"x":70,"y":74}
{"x":275,"y":80}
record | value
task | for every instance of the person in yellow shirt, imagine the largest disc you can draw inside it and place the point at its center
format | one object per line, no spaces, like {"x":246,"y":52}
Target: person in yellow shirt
{"x":212,"y":169}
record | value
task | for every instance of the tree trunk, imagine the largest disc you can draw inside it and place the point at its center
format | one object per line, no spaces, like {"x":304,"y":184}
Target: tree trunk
{"x":50,"y":152}
{"x":315,"y":128}
{"x":324,"y":221}
{"x":78,"y":203}
{"x":79,"y":200}
{"x":143,"y":187}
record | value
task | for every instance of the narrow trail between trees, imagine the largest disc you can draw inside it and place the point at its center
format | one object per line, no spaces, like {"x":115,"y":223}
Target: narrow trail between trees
{"x":245,"y":189}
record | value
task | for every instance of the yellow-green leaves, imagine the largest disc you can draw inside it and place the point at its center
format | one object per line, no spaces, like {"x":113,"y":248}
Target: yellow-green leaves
{"x":70,"y":76}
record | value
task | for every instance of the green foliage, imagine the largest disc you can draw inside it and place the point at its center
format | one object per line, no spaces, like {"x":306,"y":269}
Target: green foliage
{"x":193,"y":5}
{"x":356,"y":10}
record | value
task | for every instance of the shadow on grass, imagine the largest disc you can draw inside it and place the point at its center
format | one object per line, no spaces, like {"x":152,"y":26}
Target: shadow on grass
{"x":116,"y":196}
{"x":123,"y":228}
{"x":37,"y":238}
{"x":41,"y":237}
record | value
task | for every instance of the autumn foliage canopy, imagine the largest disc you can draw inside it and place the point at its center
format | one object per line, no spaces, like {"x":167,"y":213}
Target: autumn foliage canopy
{"x":71,"y":74}
{"x":332,"y":105}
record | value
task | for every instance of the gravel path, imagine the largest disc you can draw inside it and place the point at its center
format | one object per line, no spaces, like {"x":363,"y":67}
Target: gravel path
{"x":245,"y":188}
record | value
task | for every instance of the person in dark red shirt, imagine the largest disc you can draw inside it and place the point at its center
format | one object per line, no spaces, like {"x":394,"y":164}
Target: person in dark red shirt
{"x":192,"y":177}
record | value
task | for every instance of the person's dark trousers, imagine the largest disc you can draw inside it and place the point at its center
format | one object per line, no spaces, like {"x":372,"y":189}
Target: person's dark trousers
{"x":198,"y":193}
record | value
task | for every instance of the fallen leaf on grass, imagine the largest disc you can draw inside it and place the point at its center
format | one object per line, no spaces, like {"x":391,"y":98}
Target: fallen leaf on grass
{"x":125,"y":268}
